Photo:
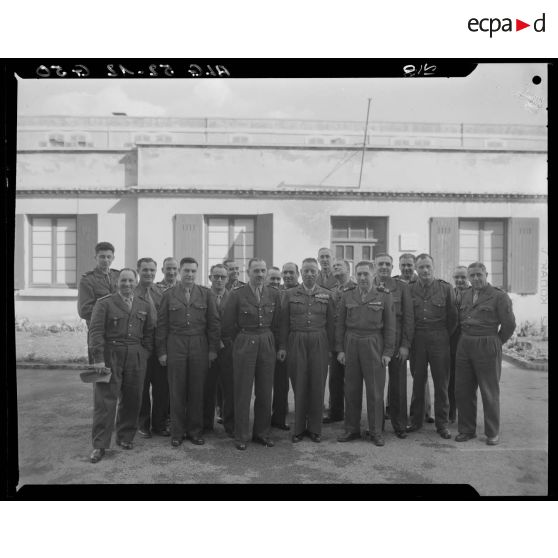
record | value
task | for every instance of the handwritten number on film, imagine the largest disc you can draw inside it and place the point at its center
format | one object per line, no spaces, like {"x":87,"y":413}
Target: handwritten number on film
{"x":47,"y":71}
{"x":410,"y":70}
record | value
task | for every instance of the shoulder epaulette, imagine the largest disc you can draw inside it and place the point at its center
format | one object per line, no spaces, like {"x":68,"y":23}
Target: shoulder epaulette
{"x":106,"y":296}
{"x":88,"y":273}
{"x":238,"y":287}
{"x":115,"y":270}
{"x":348,"y":288}
{"x":500,"y":289}
{"x":444,"y":282}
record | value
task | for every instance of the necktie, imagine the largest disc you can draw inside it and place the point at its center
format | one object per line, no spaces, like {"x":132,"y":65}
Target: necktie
{"x":363,"y":295}
{"x":188,"y":296}
{"x":219,"y":297}
{"x":128,"y":301}
{"x":475,"y":297}
{"x":258,"y":295}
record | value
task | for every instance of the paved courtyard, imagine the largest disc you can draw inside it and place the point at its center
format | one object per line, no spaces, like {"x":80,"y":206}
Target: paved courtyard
{"x":55,"y":411}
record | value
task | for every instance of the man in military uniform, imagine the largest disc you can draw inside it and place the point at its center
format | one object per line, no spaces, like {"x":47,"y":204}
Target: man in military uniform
{"x":307,"y":335}
{"x":336,"y":407}
{"x":487,"y":322}
{"x":326,"y":278}
{"x":280,"y":402}
{"x":170,"y":273}
{"x":409,"y":275}
{"x":461,"y":285}
{"x":220,"y":373}
{"x":435,"y":320}
{"x":97,"y":283}
{"x":120,"y":337}
{"x":404,"y":331}
{"x":365,"y":341}
{"x":187,"y":340}
{"x":251,"y":321}
{"x":153,"y":414}
{"x":233,"y":270}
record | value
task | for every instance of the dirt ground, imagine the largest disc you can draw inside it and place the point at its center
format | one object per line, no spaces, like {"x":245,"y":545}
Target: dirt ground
{"x":55,"y":410}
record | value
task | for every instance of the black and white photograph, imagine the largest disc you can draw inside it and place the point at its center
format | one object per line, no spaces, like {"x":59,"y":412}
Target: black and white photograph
{"x":283,"y":280}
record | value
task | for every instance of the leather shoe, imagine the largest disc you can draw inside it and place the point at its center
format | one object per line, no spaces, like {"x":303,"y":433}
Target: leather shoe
{"x":144,"y":433}
{"x":175,"y":442}
{"x":401,"y":434}
{"x":280,"y":426}
{"x":445,"y":433}
{"x":219,"y":420}
{"x":96,"y":455}
{"x":197,"y":440}
{"x":378,"y":440}
{"x":267,"y":442}
{"x":429,"y":419}
{"x":493,"y":441}
{"x":297,"y":438}
{"x":241,"y":446}
{"x":411,"y":428}
{"x":315,"y":437}
{"x":463,"y":437}
{"x":329,"y":419}
{"x":348,"y":436}
{"x":125,"y":445}
{"x":165,"y":432}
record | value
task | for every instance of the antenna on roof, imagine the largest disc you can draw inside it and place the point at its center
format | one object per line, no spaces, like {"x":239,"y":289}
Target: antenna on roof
{"x":364,"y":142}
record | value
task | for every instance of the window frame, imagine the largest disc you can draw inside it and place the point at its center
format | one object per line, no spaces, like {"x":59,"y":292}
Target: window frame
{"x":53,"y":284}
{"x":505,"y":228}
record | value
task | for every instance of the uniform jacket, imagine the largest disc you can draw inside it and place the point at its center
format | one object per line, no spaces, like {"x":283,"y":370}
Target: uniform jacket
{"x":434,"y":306}
{"x":230,"y":285}
{"x":404,"y":315}
{"x":243,"y":312}
{"x":114,"y":324}
{"x":327,"y":282}
{"x":413,"y":278}
{"x":375,"y":313}
{"x":93,"y":285}
{"x":155,"y":294}
{"x":303,"y":312}
{"x":338,"y":290}
{"x":178,"y":317}
{"x":163,"y":285}
{"x":492,"y":313}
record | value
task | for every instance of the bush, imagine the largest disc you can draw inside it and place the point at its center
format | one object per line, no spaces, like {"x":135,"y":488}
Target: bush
{"x":37,"y":328}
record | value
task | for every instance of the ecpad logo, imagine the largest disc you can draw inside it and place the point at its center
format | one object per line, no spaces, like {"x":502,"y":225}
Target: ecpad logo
{"x":494,"y":24}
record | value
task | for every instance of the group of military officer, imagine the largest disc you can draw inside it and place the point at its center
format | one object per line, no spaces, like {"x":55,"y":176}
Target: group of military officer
{"x":199,"y":349}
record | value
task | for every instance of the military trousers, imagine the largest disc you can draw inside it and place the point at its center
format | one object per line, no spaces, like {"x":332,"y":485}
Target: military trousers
{"x":430,"y":347}
{"x":307,"y":361}
{"x":253,"y":368}
{"x":427,"y":397}
{"x":187,"y":363}
{"x":454,"y":340}
{"x":219,"y":375}
{"x":363,"y":361}
{"x":397,"y":393}
{"x":154,"y":405}
{"x":119,"y":398}
{"x":336,"y":389}
{"x":478,"y":365}
{"x":280,"y":402}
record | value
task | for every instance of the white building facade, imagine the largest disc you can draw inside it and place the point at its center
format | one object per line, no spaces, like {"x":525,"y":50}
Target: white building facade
{"x":279,"y":189}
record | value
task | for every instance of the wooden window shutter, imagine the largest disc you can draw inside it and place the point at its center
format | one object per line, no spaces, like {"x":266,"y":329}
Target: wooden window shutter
{"x":523,"y":255}
{"x":444,"y":245}
{"x":87,"y":237}
{"x":19,"y":252}
{"x":188,"y":238}
{"x":264,"y":238}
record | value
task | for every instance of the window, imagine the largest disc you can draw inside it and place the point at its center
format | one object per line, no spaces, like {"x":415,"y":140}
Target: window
{"x":358,"y":238}
{"x":142,"y":138}
{"x":240,"y":139}
{"x":79,"y":140}
{"x":53,"y":251}
{"x":485,"y":241}
{"x":230,"y":237}
{"x":163,"y":138}
{"x":56,"y":140}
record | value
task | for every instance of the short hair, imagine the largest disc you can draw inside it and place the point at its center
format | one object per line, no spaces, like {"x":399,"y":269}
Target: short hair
{"x":290,"y":263}
{"x":145,"y":260}
{"x":227,"y":260}
{"x":188,"y":260}
{"x":409,"y":256}
{"x":310,"y":260}
{"x":274,"y":268}
{"x":383,"y":255}
{"x":168,"y":260}
{"x":103,"y":246}
{"x":460,"y":267}
{"x":129,"y":269}
{"x":342,"y":261}
{"x":325,"y":248}
{"x":366,"y":263}
{"x":252,"y":260}
{"x":477,"y":264}
{"x":220,"y":265}
{"x":424,"y":256}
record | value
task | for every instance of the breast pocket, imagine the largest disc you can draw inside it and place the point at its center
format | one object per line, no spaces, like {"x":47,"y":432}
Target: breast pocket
{"x":177,"y":314}
{"x":296,"y":306}
{"x":114,"y":322}
{"x":486,"y":313}
{"x":198,"y":310}
{"x":438,"y":307}
{"x":320,"y":306}
{"x":374,"y":313}
{"x":397,"y":304}
{"x":352,"y":310}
